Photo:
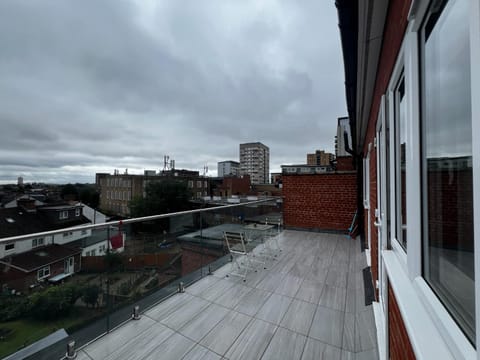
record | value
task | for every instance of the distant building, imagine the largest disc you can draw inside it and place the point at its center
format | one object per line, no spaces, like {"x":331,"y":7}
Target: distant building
{"x":93,"y":215}
{"x":276,"y":179}
{"x":20,"y":181}
{"x":117,"y":190}
{"x":255,"y":161}
{"x":234,"y":185}
{"x":228,"y":168}
{"x":320,"y":157}
{"x":305,"y":169}
{"x":343,"y":126}
{"x":14,"y":203}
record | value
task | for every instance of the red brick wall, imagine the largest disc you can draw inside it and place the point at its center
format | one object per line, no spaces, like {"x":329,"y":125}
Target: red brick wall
{"x":320,"y":201}
{"x":345,"y":163}
{"x":398,"y":341}
{"x":194,"y":257}
{"x":395,"y":26}
{"x":235,"y":186}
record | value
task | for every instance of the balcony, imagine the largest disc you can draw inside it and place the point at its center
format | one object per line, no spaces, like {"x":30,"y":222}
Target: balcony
{"x":308,"y":302}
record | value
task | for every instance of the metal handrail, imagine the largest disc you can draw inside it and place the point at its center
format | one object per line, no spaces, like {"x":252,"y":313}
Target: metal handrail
{"x":128,"y":221}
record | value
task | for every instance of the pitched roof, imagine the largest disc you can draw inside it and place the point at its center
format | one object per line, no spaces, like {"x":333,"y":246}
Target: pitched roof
{"x":37,"y":258}
{"x":16,"y":221}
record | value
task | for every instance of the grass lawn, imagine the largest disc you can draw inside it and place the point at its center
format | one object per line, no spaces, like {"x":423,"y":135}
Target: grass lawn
{"x":27,"y":331}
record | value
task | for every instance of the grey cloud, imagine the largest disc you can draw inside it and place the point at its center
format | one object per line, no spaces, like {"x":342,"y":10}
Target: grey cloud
{"x":112,"y":84}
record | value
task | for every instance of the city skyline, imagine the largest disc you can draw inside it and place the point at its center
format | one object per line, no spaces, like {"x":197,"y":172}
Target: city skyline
{"x":143,"y":79}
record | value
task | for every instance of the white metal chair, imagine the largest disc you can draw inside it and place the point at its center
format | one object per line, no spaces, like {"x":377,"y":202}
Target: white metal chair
{"x":242,"y":259}
{"x":271,"y":238}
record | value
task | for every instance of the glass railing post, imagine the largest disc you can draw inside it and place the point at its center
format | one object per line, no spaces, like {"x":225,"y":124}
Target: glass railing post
{"x":143,"y":268}
{"x":107,"y":282}
{"x":202,"y":249}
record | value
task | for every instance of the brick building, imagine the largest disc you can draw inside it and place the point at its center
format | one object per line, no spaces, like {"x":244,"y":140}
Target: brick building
{"x":415,"y":144}
{"x":320,"y":157}
{"x":233,"y":185}
{"x":117,"y":190}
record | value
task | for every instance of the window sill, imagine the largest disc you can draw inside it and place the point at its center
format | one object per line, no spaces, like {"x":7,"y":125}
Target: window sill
{"x":380,"y":325}
{"x":452,"y":334}
{"x":425,"y":337}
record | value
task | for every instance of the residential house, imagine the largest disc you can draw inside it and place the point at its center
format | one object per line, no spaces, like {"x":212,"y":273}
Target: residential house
{"x":37,"y":258}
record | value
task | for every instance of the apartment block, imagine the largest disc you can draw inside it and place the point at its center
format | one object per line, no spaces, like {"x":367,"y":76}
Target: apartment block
{"x":321,"y":158}
{"x":228,"y":168}
{"x":343,"y":137}
{"x":255,"y":161}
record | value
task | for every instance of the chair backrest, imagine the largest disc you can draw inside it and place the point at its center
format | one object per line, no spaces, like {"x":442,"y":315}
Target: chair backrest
{"x":235,"y":241}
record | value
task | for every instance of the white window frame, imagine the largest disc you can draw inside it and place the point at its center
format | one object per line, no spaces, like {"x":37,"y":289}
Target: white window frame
{"x":366,"y":181}
{"x":398,"y":71}
{"x":38,"y":242}
{"x":475,"y":93}
{"x":425,"y":315}
{"x":77,"y":212}
{"x":11,"y":249}
{"x":62,"y":215}
{"x":43,"y":272}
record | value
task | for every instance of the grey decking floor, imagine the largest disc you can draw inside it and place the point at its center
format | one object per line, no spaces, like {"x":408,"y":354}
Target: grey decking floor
{"x":308,"y":304}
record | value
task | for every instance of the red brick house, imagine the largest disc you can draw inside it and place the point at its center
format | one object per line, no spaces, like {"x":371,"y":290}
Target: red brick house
{"x":51,"y":263}
{"x":413,"y":96}
{"x":38,"y":258}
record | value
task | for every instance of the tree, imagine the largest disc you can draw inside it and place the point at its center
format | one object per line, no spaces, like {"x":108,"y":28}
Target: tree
{"x":161,"y":197}
{"x":91,"y":294}
{"x":89,"y":196}
{"x":52,"y":303}
{"x":12,"y":307}
{"x":69,"y":192}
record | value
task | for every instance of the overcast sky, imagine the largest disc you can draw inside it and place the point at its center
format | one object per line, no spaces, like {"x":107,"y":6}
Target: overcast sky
{"x":90,"y":86}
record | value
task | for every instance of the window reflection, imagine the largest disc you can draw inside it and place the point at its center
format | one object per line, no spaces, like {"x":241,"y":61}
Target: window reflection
{"x":401,"y":134}
{"x":447,"y":161}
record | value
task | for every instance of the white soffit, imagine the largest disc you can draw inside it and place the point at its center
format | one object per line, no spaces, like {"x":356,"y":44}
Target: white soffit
{"x":371,"y":22}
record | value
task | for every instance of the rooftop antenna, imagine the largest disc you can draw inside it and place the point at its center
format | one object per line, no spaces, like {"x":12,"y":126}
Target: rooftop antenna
{"x":205,"y":170}
{"x":166,"y":163}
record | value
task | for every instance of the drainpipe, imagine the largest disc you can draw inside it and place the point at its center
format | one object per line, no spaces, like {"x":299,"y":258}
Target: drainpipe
{"x":358,"y":165}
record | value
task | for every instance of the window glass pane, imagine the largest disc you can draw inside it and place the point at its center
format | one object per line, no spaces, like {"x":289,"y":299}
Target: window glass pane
{"x":401,"y":141}
{"x":447,"y":162}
